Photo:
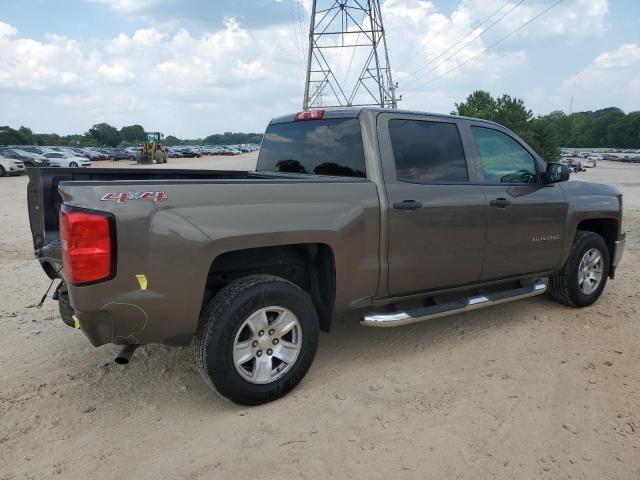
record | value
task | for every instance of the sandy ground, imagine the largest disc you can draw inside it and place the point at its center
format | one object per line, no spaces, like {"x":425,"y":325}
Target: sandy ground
{"x":523,"y":390}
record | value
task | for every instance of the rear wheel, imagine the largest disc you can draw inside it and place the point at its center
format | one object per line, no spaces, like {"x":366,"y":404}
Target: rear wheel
{"x":583,"y":277}
{"x":256,"y":339}
{"x":2,"y":171}
{"x":73,"y":165}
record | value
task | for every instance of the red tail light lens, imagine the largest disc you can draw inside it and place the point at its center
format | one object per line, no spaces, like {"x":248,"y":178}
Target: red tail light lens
{"x":309,"y":115}
{"x":87,"y":246}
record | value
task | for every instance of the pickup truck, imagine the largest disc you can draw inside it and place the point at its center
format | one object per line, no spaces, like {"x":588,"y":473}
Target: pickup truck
{"x":401,"y":216}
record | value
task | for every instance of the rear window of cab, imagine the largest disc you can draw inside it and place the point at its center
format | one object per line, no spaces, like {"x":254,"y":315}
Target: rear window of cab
{"x":320,"y":147}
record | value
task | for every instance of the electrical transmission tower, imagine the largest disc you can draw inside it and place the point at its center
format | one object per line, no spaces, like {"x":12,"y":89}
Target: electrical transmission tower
{"x":355,"y":27}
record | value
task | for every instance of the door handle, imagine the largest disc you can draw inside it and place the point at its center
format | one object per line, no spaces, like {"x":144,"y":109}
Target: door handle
{"x":407,"y":205}
{"x":500,"y":203}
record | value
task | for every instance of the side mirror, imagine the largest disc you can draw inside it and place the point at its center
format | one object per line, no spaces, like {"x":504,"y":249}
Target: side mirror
{"x":557,"y":172}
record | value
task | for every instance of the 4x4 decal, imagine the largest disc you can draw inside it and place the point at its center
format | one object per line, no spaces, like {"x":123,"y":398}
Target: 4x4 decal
{"x":124,"y":196}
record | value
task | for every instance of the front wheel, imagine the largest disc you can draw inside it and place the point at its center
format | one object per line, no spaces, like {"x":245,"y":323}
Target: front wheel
{"x":583,"y":277}
{"x":73,"y":165}
{"x":257,"y":339}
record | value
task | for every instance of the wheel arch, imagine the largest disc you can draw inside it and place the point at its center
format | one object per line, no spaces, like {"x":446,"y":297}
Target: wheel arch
{"x":311,"y":266}
{"x":607,"y":228}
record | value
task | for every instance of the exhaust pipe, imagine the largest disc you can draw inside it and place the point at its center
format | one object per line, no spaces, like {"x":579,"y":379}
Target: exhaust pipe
{"x":125,"y":354}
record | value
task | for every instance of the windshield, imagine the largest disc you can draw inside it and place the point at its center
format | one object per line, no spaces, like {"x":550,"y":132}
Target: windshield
{"x":321,"y":147}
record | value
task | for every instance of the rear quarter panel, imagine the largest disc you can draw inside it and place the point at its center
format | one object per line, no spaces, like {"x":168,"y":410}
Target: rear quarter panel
{"x":174,"y":242}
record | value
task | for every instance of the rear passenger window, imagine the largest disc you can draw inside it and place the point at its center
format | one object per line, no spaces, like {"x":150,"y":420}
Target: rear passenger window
{"x":427,"y":152}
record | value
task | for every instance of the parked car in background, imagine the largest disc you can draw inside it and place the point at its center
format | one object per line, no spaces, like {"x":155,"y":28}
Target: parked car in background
{"x":573,"y":165}
{"x":32,"y":149}
{"x":189,"y":152}
{"x":28,"y":159}
{"x":592,"y":161}
{"x":60,"y":159}
{"x":94,"y":155}
{"x":173,"y":152}
{"x":81,"y":152}
{"x":121,"y":154}
{"x":10,"y":166}
{"x":106,"y":154}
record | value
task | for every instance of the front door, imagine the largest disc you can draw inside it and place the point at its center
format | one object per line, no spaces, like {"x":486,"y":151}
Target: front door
{"x":525,"y":216}
{"x":436,"y":209}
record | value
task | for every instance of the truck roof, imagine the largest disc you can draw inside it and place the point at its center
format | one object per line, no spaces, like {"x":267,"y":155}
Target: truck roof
{"x":354,"y":112}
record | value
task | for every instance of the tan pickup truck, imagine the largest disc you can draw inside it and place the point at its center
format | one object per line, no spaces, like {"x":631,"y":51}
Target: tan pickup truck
{"x":402,"y":216}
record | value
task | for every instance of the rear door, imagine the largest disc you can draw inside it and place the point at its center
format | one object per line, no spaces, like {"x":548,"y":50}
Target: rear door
{"x":525,"y":217}
{"x":436,"y":209}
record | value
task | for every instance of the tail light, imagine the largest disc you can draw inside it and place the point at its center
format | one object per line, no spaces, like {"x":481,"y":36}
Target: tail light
{"x":88,"y":245}
{"x":309,"y":115}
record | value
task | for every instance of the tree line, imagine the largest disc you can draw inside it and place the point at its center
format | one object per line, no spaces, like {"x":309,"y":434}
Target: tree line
{"x":608,"y":127}
{"x":105,"y":135}
{"x":605,"y":128}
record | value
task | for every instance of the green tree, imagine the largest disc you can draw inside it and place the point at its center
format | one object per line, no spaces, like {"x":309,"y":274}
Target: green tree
{"x":480,"y":104}
{"x":26,"y":136}
{"x":9,"y":136}
{"x":105,"y":134}
{"x":512,"y":113}
{"x":172,"y":141}
{"x":132,"y":134}
{"x":542,"y":137}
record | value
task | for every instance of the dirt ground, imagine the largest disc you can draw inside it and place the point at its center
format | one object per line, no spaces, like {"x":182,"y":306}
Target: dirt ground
{"x":522,"y":390}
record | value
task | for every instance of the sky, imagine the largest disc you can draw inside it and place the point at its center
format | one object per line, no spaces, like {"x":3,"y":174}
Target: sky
{"x":194,"y":67}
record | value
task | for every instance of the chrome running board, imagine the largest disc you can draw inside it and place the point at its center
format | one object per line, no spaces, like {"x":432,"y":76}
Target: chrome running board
{"x":396,"y":319}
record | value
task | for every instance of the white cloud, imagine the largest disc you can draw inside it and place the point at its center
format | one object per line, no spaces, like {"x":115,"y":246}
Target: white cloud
{"x":609,"y":68}
{"x":128,"y":6}
{"x":251,"y":70}
{"x":29,"y":64}
{"x":172,"y":81}
{"x":148,"y":37}
{"x":7,"y":30}
{"x":115,"y":73}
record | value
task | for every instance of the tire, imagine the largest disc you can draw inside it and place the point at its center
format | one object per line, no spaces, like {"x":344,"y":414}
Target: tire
{"x":73,"y":165}
{"x":64,"y":306}
{"x":224,"y":322}
{"x":564,"y":285}
{"x":2,"y":171}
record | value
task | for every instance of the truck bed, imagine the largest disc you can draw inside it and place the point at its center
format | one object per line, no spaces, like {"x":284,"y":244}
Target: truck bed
{"x":44,"y":200}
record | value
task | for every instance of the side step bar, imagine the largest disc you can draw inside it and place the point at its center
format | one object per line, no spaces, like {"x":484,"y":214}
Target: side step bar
{"x":396,"y":319}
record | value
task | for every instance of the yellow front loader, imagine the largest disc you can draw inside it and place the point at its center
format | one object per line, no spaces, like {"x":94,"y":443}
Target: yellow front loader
{"x":152,"y":149}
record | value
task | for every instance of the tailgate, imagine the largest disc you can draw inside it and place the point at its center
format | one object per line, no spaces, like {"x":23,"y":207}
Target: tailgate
{"x":43,"y":201}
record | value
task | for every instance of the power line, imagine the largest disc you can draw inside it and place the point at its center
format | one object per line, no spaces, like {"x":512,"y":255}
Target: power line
{"x":301,"y":18}
{"x":474,"y":38}
{"x":489,"y":47}
{"x":295,"y":28}
{"x":430,"y":39}
{"x":353,"y":53}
